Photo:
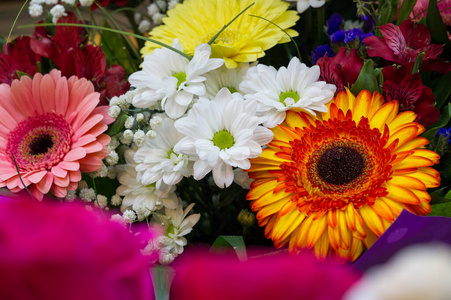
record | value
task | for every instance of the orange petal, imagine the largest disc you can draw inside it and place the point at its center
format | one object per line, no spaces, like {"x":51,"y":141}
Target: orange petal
{"x":401,"y":120}
{"x":383,"y":210}
{"x":385,"y":113}
{"x":372,"y":220}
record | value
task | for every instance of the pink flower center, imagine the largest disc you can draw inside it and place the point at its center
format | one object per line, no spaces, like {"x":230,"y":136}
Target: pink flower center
{"x":40,"y":142}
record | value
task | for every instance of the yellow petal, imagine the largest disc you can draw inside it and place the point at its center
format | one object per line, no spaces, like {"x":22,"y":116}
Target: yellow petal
{"x":383,"y":209}
{"x":401,"y":194}
{"x":385,"y":113}
{"x":401,"y":119}
{"x":372,"y":219}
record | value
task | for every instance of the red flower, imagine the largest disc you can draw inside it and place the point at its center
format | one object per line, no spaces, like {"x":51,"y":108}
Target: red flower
{"x":408,"y":89}
{"x":202,"y":275}
{"x":104,"y":3}
{"x":17,"y":56}
{"x":403,"y":44}
{"x":342,"y":69}
{"x":70,"y":52}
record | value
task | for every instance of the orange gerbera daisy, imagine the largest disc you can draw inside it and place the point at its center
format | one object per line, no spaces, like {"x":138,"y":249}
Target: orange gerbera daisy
{"x":335,"y":183}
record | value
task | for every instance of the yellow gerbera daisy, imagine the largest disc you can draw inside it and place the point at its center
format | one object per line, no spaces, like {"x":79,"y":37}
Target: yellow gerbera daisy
{"x":196,"y":21}
{"x":335,"y":183}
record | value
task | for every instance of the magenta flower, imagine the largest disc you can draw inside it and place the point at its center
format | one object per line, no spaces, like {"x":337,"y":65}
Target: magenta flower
{"x":342,"y":69}
{"x":202,"y":275}
{"x":408,"y":89}
{"x":402,"y":44}
{"x":52,"y":250}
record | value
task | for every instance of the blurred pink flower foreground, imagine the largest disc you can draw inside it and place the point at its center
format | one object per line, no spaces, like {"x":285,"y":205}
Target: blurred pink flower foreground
{"x":54,"y":130}
{"x":202,"y":275}
{"x":52,"y":250}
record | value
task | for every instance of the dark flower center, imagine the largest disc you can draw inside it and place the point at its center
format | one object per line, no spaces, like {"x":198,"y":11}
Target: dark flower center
{"x":41,"y":144}
{"x":340,"y":165}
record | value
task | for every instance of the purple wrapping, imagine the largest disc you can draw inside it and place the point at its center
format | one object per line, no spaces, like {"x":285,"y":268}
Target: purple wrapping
{"x":408,"y":229}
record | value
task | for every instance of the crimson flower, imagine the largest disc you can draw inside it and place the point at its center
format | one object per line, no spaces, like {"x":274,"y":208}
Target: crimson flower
{"x":408,"y":89}
{"x":70,"y":52}
{"x":402,"y":44}
{"x":17,"y":56}
{"x":342,"y":69}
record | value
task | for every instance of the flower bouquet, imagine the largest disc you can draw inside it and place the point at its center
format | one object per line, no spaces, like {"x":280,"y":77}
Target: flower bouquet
{"x":301,"y":137}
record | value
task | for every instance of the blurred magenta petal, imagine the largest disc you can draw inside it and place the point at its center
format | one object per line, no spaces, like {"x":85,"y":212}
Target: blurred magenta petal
{"x":53,"y":250}
{"x":201,"y":275}
{"x":408,"y":229}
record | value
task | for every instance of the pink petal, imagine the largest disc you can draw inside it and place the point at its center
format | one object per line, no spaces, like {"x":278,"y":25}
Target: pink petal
{"x":87,"y":125}
{"x":69,"y":165}
{"x":61,"y":181}
{"x":36,"y":193}
{"x":78,"y":91}
{"x":36,"y":177}
{"x":376,"y":46}
{"x":44,"y":185}
{"x":93,"y":147}
{"x":74,"y":176}
{"x":58,"y":171}
{"x":84,"y":109}
{"x":59,"y":192}
{"x":103,"y":110}
{"x":36,"y":91}
{"x":23,"y":98}
{"x":48,"y":93}
{"x":75,"y":154}
{"x":62,"y":96}
{"x":86,"y":139}
{"x":90,"y":163}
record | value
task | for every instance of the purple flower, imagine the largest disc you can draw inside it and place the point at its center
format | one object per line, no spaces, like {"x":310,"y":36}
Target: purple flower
{"x":322,"y":50}
{"x":333,"y":24}
{"x":338,"y":36}
{"x":445,"y":132}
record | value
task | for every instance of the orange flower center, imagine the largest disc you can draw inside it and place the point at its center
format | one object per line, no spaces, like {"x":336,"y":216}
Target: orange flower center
{"x":336,"y":162}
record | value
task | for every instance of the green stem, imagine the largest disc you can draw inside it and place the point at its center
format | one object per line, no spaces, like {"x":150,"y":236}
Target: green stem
{"x":15,"y":21}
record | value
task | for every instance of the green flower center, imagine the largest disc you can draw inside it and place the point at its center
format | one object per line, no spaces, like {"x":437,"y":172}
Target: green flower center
{"x":181,"y":77}
{"x":283,"y":96}
{"x":232,"y":89}
{"x":223,"y":140}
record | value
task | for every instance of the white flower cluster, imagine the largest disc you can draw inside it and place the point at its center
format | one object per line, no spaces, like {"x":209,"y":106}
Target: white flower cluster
{"x":156,"y":11}
{"x":194,"y":117}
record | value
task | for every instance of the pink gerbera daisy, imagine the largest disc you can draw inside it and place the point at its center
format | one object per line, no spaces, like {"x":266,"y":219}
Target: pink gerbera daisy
{"x":51,"y":127}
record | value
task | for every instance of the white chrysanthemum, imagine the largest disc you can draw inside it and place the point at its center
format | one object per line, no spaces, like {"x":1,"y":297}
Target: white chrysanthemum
{"x":221,"y":134}
{"x":225,"y":77}
{"x":156,"y":161}
{"x":293,"y":88}
{"x":137,"y":196}
{"x":172,"y":78}
{"x":176,"y":224}
{"x":303,"y":5}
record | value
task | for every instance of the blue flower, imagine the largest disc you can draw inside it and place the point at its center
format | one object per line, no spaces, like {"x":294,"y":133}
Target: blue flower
{"x":320,"y":51}
{"x":333,"y":24}
{"x":445,"y":132}
{"x":338,"y":36}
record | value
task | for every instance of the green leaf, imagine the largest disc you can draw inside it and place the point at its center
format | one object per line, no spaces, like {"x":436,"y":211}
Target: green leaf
{"x":448,"y":195}
{"x":117,"y":126}
{"x":417,"y":64}
{"x":162,"y":278}
{"x":406,"y":9}
{"x":230,"y":242}
{"x":20,"y":74}
{"x":441,"y":89}
{"x":367,"y":79}
{"x":387,"y":11}
{"x":2,"y":42}
{"x":432,"y":130}
{"x":435,"y":24}
{"x":441,"y":209}
{"x":116,"y":50}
